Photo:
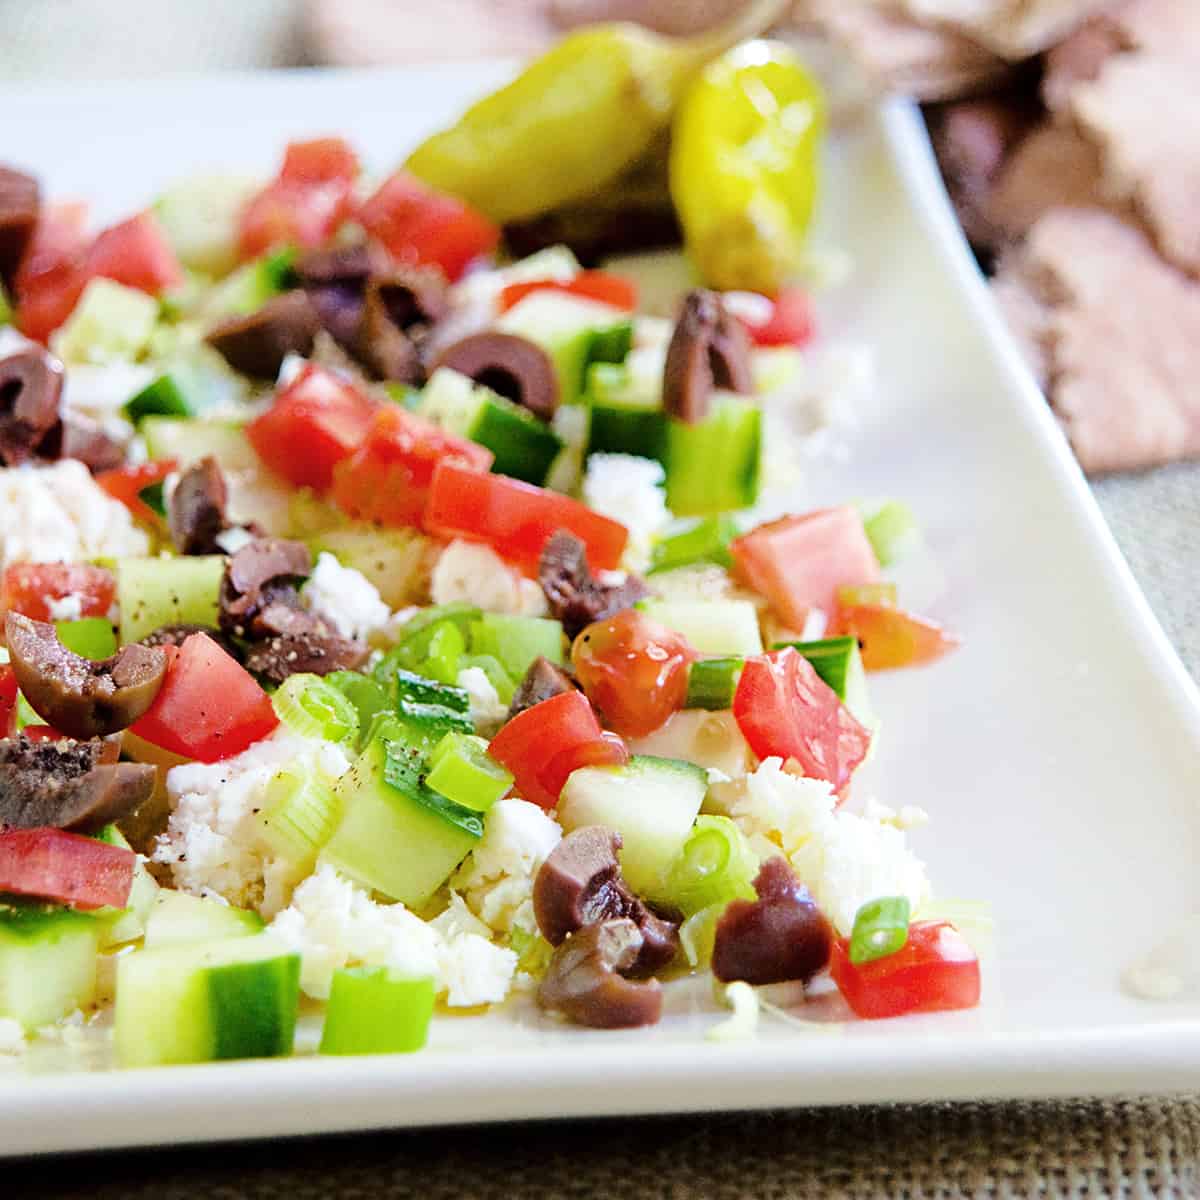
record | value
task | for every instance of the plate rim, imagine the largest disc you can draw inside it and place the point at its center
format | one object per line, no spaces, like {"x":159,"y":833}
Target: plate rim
{"x":213,"y":1102}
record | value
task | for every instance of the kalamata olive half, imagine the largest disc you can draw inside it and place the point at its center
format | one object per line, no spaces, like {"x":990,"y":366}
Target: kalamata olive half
{"x":30,"y":388}
{"x":512,"y":366}
{"x":709,"y":349}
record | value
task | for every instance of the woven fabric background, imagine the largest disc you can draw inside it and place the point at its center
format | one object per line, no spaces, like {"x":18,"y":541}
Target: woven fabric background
{"x":1082,"y":1149}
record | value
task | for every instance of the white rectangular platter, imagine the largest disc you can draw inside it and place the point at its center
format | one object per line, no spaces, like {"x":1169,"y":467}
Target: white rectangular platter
{"x":1057,"y":752}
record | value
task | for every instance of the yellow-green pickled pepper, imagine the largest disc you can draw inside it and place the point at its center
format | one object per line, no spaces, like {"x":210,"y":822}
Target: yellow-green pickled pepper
{"x":575,"y":118}
{"x":744,"y":166}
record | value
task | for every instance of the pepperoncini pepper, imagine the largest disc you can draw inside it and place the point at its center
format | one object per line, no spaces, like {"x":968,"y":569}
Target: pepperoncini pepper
{"x":744,"y":166}
{"x":576,"y":118}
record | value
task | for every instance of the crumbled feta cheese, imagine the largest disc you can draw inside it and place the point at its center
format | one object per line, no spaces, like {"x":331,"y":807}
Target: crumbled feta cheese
{"x":629,"y":489}
{"x":487,"y":709}
{"x":497,"y":878}
{"x":473,"y":574}
{"x":236,"y":538}
{"x":211,"y":841}
{"x":844,"y":858}
{"x":345,"y":598}
{"x":333,"y":923}
{"x":58,"y":513}
{"x":12,"y":1036}
{"x":66,"y":608}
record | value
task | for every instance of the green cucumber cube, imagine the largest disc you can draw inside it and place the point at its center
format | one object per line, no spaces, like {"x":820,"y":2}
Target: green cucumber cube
{"x":153,"y":592}
{"x":177,"y":919}
{"x":189,"y":440}
{"x":403,"y":842}
{"x":200,"y":217}
{"x":724,"y":627}
{"x":111,"y":323}
{"x":202,"y":1001}
{"x":516,"y":641}
{"x":651,"y":802}
{"x":714,"y":465}
{"x":48,"y":961}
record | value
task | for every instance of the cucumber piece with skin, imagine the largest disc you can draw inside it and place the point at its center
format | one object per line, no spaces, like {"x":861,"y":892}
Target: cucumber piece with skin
{"x":201,"y":1001}
{"x":250,"y":286}
{"x":48,"y":959}
{"x":153,"y":592}
{"x":714,"y":465}
{"x":524,"y":446}
{"x":724,"y":627}
{"x":395,"y":840}
{"x":179,"y":919}
{"x":651,"y":802}
{"x":575,"y":332}
{"x":626,"y":418}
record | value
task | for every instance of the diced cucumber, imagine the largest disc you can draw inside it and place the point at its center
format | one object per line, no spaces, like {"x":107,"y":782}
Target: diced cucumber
{"x":517,"y":641}
{"x":47,"y":962}
{"x":201,"y":1001}
{"x":178,"y":919}
{"x":575,"y":333}
{"x":572,"y":423}
{"x":712,"y":683}
{"x":626,"y":418}
{"x":711,"y":626}
{"x":183,"y":391}
{"x":892,"y":530}
{"x":394,"y":560}
{"x":774,"y":367}
{"x":153,"y":592}
{"x":111,"y":323}
{"x":651,"y":802}
{"x":188,"y":441}
{"x":130,"y":923}
{"x":200,"y":218}
{"x":713,"y":466}
{"x":704,"y":541}
{"x":524,"y":446}
{"x":397,"y":840}
{"x":250,"y":286}
{"x":838,"y":661}
{"x":373,"y":1010}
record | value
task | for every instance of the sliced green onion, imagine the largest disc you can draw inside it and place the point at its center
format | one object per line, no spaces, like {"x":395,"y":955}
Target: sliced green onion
{"x":705,"y":541}
{"x":299,"y":816}
{"x":374,"y":1010}
{"x":517,"y":641}
{"x":461,"y":770}
{"x":714,"y":866}
{"x":367,"y":696}
{"x":313,"y":708}
{"x":697,"y":935}
{"x":446,"y":648}
{"x":498,"y":677}
{"x":880,"y":929}
{"x":89,"y":637}
{"x":883,"y":593}
{"x":712,"y":682}
{"x":892,"y":531}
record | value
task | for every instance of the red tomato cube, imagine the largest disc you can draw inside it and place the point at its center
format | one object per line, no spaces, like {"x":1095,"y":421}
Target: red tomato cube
{"x":136,"y":253}
{"x":799,"y":562}
{"x":67,"y":868}
{"x":890,"y":637}
{"x":322,"y":160}
{"x":30,"y":588}
{"x":209,"y":706}
{"x":316,"y":421}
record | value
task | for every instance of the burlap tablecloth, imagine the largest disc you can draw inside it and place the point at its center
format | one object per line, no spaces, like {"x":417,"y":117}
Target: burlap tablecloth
{"x":1133,"y":1148}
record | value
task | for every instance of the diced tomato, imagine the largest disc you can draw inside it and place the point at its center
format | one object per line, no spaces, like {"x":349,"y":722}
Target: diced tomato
{"x":126,"y":484}
{"x":799,"y":562}
{"x":8,"y":700}
{"x":322,"y":160}
{"x":517,"y":519}
{"x":889,"y":637}
{"x":316,"y":421}
{"x":311,"y":197}
{"x":634,"y":670}
{"x":545,"y":743}
{"x":209,"y":706}
{"x":388,"y":477}
{"x":136,"y":253}
{"x":49,"y":280}
{"x":613,"y":290}
{"x":791,"y":321}
{"x":43,"y":733}
{"x":427,"y":228}
{"x":67,"y":868}
{"x":29,"y":588}
{"x":785,"y":709}
{"x":936,"y":970}
{"x":60,"y":264}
